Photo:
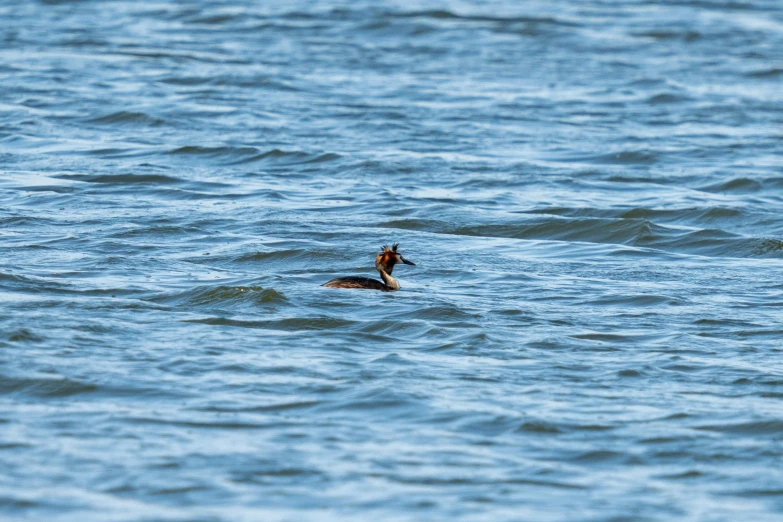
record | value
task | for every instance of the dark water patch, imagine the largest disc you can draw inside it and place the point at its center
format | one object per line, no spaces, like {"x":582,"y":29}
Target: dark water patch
{"x":772,"y":73}
{"x":57,"y":189}
{"x":490,"y":426}
{"x":761,"y":427}
{"x":24,"y":335}
{"x":210,"y":425}
{"x":684,"y":35}
{"x":741,"y":247}
{"x":724,"y":322}
{"x":45,"y":387}
{"x":556,"y":428}
{"x":12,"y":445}
{"x":244,"y":81}
{"x":32,"y":284}
{"x":440,"y":313}
{"x":539,"y":428}
{"x":156,"y":231}
{"x":265,"y":82}
{"x":277,"y":407}
{"x":394,"y":360}
{"x":607,"y":337}
{"x":186,"y":80}
{"x":621,"y":231}
{"x":247,"y":155}
{"x":119,"y":153}
{"x":290,"y":255}
{"x":543,"y":483}
{"x":414,"y":224}
{"x":232,"y":154}
{"x":762,"y":380}
{"x":719,"y":5}
{"x":183,"y":490}
{"x":632,"y":232}
{"x":294,"y":325}
{"x":21,"y":221}
{"x":379,"y":403}
{"x":442,"y":14}
{"x":770,"y":333}
{"x":709,"y":214}
{"x":735,"y":186}
{"x":177,"y":56}
{"x":770,"y":492}
{"x":682,"y":368}
{"x":281,"y":157}
{"x":638,"y":300}
{"x":83,"y":42}
{"x":633,"y":158}
{"x":17,"y":502}
{"x":684,"y":475}
{"x":123,"y":179}
{"x":623,"y":158}
{"x":689,"y":216}
{"x":263,"y":472}
{"x":628,"y":178}
{"x":223,"y":296}
{"x":129,"y":118}
{"x":666,"y":98}
{"x":215,"y":19}
{"x":600,"y":457}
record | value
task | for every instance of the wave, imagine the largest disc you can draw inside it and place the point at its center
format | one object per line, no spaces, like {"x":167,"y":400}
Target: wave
{"x":762,"y":427}
{"x":627,"y":157}
{"x":245,"y":155}
{"x":665,"y":98}
{"x":303,"y":254}
{"x":744,"y":185}
{"x":45,"y":387}
{"x":689,"y":215}
{"x":22,"y":335}
{"x":442,"y":14}
{"x":128,"y":117}
{"x":640,"y":233}
{"x":123,"y":179}
{"x":155,"y":231}
{"x":222,"y":295}
{"x":292,"y":324}
{"x":684,"y":35}
{"x":773,"y":72}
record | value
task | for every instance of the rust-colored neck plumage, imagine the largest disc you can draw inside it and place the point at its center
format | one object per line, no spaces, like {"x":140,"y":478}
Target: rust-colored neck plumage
{"x":384,"y":264}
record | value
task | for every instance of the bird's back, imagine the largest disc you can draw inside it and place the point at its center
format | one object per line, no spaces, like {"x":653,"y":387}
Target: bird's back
{"x":357,"y":282}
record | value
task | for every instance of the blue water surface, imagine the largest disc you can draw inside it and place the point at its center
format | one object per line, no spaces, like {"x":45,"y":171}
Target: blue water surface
{"x":591,"y":191}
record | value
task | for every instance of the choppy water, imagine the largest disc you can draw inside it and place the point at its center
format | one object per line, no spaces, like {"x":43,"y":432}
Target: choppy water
{"x":592,"y":192}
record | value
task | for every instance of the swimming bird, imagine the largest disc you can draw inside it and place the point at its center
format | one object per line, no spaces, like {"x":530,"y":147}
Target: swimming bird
{"x":384,"y":264}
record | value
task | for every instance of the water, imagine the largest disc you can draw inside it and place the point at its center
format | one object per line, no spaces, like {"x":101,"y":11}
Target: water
{"x":591,"y":192}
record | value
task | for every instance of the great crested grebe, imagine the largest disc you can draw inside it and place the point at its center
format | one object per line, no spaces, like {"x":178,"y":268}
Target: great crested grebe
{"x":384,"y":264}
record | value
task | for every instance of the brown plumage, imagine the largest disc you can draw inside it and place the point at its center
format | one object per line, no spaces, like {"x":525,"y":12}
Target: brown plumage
{"x":384,"y":264}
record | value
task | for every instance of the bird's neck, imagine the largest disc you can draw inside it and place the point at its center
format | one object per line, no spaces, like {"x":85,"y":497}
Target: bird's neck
{"x":389,"y":280}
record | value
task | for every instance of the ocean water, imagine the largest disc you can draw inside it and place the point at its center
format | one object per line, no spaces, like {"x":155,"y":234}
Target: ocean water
{"x":591,"y":190}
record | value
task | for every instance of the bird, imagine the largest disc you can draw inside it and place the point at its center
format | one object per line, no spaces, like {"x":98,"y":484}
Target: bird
{"x":384,"y":264}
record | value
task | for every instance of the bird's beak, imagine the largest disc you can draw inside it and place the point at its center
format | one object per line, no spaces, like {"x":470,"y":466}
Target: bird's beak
{"x":407,"y":262}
